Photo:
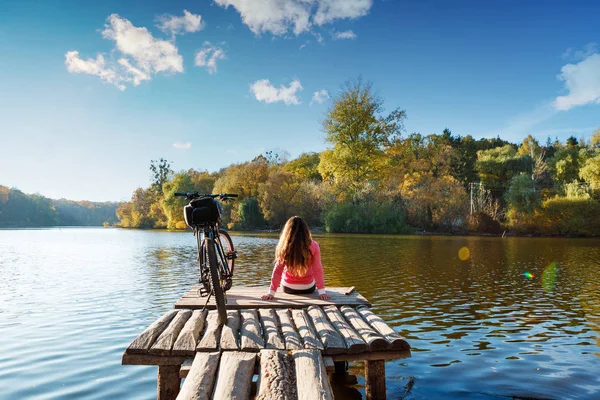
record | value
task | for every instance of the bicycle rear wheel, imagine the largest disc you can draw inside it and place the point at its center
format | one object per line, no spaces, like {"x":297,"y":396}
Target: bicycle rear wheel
{"x":215,"y":279}
{"x":227,"y":246}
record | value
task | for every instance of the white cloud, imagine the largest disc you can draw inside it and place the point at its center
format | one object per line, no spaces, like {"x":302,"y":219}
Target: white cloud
{"x":281,"y":16}
{"x":142,"y":55}
{"x":330,"y":10}
{"x":578,"y":55}
{"x":76,"y":64}
{"x":302,"y":46}
{"x":582,"y":80}
{"x":182,"y":146}
{"x":179,"y":25}
{"x":264,"y":91}
{"x":208,"y":56}
{"x":150,"y":54}
{"x":344,"y":35}
{"x":320,"y":96}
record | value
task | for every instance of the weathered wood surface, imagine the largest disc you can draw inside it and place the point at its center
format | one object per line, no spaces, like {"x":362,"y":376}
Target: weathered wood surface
{"x":311,"y":376}
{"x":210,"y":339}
{"x":291,"y":338}
{"x":273,"y":339}
{"x":168,"y":382}
{"x":306,"y":331}
{"x":354,"y":343}
{"x":234,"y":377}
{"x":329,"y":364}
{"x":276,"y":381}
{"x":166,"y":340}
{"x":229,"y":333}
{"x":149,"y":359}
{"x":200,"y":379}
{"x":368,"y":356}
{"x":146,"y":339}
{"x":250,"y":333}
{"x":250,"y":297}
{"x":374,"y":339}
{"x":375,"y":380}
{"x":397,"y":342}
{"x":331,"y":339}
{"x":185,"y":345}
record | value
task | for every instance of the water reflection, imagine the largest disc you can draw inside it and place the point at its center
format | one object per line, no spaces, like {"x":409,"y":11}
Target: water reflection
{"x":71,"y":300}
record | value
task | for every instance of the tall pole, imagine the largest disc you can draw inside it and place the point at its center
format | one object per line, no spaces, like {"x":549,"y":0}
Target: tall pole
{"x":471,"y":190}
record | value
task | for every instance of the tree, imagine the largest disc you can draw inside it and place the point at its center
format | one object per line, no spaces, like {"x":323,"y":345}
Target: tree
{"x":306,"y":166}
{"x":521,"y":195}
{"x":358,"y":133}
{"x":497,"y":166}
{"x":161,"y":172}
{"x":434,"y":202}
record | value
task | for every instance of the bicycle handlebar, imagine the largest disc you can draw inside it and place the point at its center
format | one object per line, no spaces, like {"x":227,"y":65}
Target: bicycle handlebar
{"x":195,"y":195}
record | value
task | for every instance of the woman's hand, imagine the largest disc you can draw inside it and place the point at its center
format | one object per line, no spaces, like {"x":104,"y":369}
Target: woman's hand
{"x":267,"y":297}
{"x":323,"y":296}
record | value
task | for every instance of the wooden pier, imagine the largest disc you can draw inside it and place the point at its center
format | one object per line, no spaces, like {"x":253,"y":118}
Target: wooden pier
{"x":288,"y":343}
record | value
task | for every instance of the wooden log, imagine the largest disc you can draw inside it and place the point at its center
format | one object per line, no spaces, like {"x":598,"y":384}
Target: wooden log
{"x":374,"y":339}
{"x":200,"y":379}
{"x":234,"y":378}
{"x":186,"y":366}
{"x":276,"y":376}
{"x":146,"y":339}
{"x":329,"y":364}
{"x":311,"y":376}
{"x":354,"y":343}
{"x":290,"y":336}
{"x":306,"y":331}
{"x":332,"y":341}
{"x":149,"y":359}
{"x":250,"y":336}
{"x":375,"y":380}
{"x":367,"y":356}
{"x":397,"y":342}
{"x":168,"y":382}
{"x":273,"y":339}
{"x":166,"y":340}
{"x":188,"y":338}
{"x":229,"y":333}
{"x":210,"y":339}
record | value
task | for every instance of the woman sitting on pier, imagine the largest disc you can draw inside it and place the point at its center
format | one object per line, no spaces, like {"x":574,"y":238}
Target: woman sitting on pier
{"x":298,"y":260}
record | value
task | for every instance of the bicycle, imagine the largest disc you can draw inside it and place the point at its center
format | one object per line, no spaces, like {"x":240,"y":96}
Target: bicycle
{"x":216,"y":254}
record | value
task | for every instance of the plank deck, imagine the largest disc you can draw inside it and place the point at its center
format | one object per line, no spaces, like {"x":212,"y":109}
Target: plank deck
{"x":249,"y":297}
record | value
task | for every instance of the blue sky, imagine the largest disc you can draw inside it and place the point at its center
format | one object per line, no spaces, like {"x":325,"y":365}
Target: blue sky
{"x":88,"y":97}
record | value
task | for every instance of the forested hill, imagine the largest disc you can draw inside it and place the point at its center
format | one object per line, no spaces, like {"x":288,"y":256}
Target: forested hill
{"x":20,"y":210}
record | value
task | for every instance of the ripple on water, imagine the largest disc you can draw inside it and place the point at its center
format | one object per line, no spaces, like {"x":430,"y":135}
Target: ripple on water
{"x":479,"y":328}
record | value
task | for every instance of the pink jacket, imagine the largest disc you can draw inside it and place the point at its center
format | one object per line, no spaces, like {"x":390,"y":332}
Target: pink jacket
{"x":314,"y":274}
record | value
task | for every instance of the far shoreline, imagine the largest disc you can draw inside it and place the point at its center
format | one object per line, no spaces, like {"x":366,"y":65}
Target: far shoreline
{"x":319,"y":231}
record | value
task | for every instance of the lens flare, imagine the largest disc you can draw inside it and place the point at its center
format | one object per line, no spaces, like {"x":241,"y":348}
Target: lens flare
{"x":464,"y":253}
{"x":529,"y":275}
{"x":549,"y":277}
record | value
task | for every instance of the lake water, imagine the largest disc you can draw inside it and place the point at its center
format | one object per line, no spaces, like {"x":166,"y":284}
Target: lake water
{"x":491,"y":327}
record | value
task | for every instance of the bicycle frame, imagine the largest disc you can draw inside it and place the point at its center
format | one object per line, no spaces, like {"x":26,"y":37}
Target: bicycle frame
{"x":212,"y":231}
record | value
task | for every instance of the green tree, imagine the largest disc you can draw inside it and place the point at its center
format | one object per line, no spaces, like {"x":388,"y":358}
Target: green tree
{"x":306,"y":166}
{"x":358,"y":133}
{"x":497,"y":166}
{"x":521,"y":194}
{"x":161,"y":173}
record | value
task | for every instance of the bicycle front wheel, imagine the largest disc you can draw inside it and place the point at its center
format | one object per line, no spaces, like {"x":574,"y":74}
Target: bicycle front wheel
{"x":215,"y":278}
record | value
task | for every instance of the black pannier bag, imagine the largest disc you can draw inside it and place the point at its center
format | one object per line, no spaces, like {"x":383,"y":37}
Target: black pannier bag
{"x":202,"y":211}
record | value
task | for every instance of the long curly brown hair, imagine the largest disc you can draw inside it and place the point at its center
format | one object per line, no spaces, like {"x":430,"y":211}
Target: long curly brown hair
{"x":293,"y":249}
